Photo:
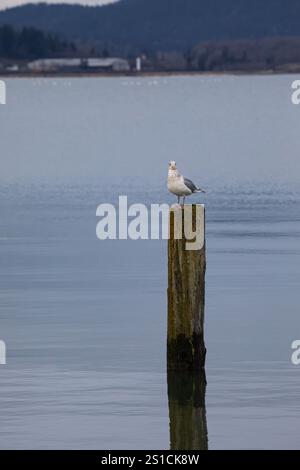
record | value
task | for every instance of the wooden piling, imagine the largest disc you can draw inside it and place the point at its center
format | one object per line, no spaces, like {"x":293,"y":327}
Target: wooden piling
{"x":186,"y":288}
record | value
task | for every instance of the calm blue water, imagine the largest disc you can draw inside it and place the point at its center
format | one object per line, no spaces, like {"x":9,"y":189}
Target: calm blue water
{"x":84,"y":321}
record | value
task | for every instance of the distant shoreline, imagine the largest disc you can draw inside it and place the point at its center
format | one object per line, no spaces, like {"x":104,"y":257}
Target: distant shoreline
{"x":145,"y":74}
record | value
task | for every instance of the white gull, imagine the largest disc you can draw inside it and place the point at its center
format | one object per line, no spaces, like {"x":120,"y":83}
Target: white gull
{"x":179,"y":185}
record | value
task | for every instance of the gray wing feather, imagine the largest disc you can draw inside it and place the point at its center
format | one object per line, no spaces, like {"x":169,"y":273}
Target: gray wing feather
{"x":190,"y":185}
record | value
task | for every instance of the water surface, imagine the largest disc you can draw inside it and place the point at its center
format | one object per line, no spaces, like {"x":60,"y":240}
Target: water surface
{"x":84,"y":321}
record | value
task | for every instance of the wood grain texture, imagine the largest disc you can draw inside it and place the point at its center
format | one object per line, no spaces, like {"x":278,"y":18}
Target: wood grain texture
{"x":186,"y":297}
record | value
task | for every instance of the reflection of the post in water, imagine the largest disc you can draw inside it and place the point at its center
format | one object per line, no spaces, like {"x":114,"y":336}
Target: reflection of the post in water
{"x":188,"y":427}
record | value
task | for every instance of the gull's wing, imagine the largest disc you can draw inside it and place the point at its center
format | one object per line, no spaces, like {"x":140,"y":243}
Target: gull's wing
{"x":190,"y":185}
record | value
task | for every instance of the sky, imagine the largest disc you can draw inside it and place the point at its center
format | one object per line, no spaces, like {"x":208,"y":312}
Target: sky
{"x":12,"y":3}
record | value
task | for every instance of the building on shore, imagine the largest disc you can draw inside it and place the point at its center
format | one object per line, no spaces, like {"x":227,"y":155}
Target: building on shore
{"x":13,"y":68}
{"x":94,"y":64}
{"x":54,"y":65}
{"x":113,"y":64}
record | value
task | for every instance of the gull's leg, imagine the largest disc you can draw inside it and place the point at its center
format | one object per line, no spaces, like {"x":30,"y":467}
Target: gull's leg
{"x":183,"y":200}
{"x":178,"y":199}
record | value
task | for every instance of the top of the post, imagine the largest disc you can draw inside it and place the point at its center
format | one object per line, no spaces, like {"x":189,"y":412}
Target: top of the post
{"x":175,"y":207}
{"x":187,"y":223}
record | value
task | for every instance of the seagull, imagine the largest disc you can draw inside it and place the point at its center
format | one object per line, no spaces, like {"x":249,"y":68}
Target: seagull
{"x":179,"y":185}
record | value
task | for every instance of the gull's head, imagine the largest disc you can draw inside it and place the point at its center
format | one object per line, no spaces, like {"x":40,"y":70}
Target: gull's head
{"x":172,"y":165}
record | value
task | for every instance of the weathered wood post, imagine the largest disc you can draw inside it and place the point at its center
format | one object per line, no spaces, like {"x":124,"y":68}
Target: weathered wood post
{"x":186,"y":288}
{"x":187,"y":412}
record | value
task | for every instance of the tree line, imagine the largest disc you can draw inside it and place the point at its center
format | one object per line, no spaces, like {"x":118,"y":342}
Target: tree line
{"x":278,"y":54}
{"x":30,"y":43}
{"x":274,"y":54}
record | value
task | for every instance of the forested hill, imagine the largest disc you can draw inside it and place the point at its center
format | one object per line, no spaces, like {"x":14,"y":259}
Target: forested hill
{"x":29,"y":43}
{"x":154,"y":25}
